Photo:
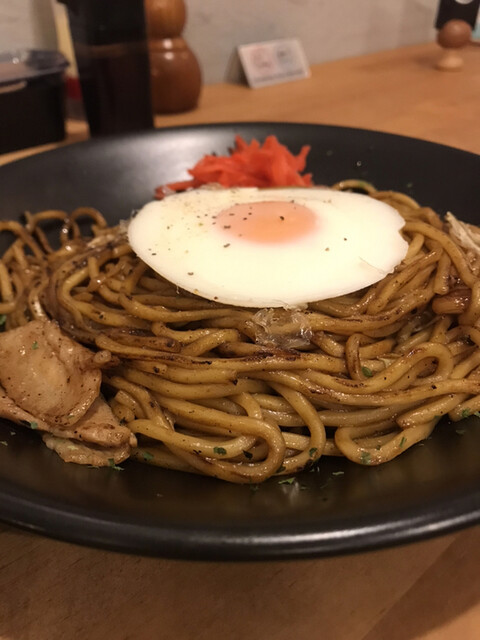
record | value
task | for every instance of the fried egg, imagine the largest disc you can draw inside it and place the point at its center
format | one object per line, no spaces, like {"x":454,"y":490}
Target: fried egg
{"x":278,"y":247}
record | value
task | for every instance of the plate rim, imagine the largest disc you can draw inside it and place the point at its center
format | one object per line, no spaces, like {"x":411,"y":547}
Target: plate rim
{"x":266,"y":544}
{"x":100,"y":140}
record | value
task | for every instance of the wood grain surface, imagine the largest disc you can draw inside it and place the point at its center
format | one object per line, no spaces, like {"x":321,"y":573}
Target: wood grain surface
{"x":52,"y":590}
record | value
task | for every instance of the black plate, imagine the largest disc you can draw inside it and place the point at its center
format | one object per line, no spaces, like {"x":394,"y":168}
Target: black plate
{"x":431,"y":489}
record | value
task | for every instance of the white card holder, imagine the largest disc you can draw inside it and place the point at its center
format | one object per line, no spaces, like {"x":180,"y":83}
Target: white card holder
{"x":273,"y":62}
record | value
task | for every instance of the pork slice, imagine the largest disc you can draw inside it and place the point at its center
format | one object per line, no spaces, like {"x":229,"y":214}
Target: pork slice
{"x":10,"y":411}
{"x":47,"y":374}
{"x":97,"y":438}
{"x":52,"y":383}
{"x":99,"y":427}
{"x":83,"y":453}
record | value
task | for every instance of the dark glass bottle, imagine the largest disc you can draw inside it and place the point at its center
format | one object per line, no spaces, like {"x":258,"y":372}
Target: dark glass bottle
{"x":109,"y":38}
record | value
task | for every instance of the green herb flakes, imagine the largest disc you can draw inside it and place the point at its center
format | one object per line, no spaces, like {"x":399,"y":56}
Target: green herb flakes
{"x":366,"y":458}
{"x":338,"y":473}
{"x":465,"y":413}
{"x":312,"y":452}
{"x":287,"y":481}
{"x":4,"y":442}
{"x":220,"y":451}
{"x":460,"y":432}
{"x":33,"y":425}
{"x":368,"y":373}
{"x":112,"y":465}
{"x":402,"y":442}
{"x":147,"y":456}
{"x":35,"y":345}
{"x":3,"y":319}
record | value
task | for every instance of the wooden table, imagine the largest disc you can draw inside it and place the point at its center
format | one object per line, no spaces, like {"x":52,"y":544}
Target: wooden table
{"x":430,"y":590}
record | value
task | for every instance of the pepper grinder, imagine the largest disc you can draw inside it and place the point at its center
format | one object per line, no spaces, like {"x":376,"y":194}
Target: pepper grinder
{"x":452,"y":37}
{"x":175,"y":74}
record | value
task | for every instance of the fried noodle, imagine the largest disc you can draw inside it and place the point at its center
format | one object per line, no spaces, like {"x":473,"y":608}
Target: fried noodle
{"x":243,"y":394}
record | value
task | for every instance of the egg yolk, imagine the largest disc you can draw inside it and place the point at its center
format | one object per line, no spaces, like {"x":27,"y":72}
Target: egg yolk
{"x":267,"y":222}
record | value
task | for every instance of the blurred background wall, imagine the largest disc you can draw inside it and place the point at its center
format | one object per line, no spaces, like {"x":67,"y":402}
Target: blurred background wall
{"x":328,"y":29}
{"x":26,"y":23}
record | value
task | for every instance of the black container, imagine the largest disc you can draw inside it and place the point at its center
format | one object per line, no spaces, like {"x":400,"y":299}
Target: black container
{"x":32,"y":99}
{"x":109,"y":38}
{"x":454,"y":10}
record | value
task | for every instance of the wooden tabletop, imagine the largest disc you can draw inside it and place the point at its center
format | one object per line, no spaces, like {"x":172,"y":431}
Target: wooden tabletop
{"x":426,"y":591}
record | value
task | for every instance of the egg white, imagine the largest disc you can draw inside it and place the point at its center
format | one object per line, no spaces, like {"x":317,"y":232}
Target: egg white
{"x":356,"y":242}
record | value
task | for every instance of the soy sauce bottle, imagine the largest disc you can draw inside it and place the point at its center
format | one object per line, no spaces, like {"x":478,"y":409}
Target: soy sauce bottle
{"x":111,"y":50}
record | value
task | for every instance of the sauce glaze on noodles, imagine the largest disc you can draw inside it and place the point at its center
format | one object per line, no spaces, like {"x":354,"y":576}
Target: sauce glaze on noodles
{"x":243,"y":394}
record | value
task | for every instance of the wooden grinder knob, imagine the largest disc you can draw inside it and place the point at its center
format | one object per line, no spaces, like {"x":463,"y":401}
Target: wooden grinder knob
{"x":454,"y":35}
{"x":175,"y":73}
